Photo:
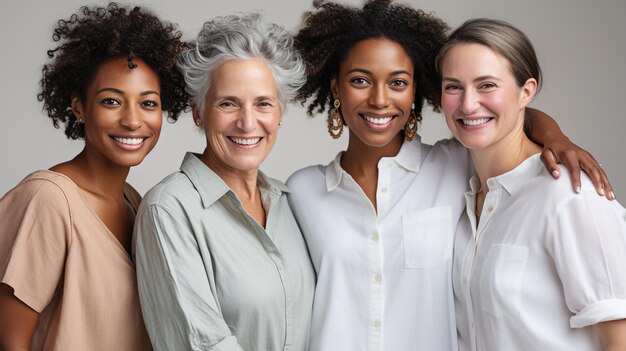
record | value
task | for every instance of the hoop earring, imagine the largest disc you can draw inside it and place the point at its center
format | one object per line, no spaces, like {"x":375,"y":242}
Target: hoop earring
{"x":335,"y":122}
{"x":410,"y":128}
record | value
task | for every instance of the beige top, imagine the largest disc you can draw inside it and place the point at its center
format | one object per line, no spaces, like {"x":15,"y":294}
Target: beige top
{"x":64,"y":263}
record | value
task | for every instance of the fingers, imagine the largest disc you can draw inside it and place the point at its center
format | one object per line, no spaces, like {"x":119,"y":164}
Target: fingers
{"x":549,"y":160}
{"x":599,"y":178}
{"x":571,"y":161}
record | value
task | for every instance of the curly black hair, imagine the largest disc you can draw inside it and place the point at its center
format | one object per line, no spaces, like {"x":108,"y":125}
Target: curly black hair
{"x":331,"y":30}
{"x":93,"y":36}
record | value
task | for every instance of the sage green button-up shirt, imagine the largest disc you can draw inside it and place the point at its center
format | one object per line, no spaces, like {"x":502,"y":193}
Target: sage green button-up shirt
{"x":210,"y":277}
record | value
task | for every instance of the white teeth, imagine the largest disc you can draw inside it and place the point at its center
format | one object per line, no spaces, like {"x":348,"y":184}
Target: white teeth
{"x":245,"y":141}
{"x":377,"y":120}
{"x":475,"y":122}
{"x":129,"y":141}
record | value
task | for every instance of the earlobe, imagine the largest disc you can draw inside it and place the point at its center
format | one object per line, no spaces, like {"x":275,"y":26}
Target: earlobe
{"x":528,"y":91}
{"x":197,"y":119}
{"x":333,"y":88}
{"x":77,"y":109}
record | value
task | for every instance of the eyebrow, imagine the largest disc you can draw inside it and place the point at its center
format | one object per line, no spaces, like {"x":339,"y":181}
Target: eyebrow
{"x":234,"y":98}
{"x":117,"y":91}
{"x":477,"y":79}
{"x":361,"y":70}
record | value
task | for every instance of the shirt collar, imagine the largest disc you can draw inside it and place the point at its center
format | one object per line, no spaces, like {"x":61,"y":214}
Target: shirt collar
{"x":211,"y":187}
{"x":409,"y":158}
{"x":513,"y":180}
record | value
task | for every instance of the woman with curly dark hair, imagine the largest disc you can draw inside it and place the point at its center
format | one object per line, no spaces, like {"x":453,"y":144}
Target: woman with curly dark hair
{"x":379,"y":220}
{"x":67,"y":277}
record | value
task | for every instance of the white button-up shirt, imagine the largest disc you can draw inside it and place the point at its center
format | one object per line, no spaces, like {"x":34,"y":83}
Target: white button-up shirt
{"x":384,"y":275}
{"x":543,"y":264}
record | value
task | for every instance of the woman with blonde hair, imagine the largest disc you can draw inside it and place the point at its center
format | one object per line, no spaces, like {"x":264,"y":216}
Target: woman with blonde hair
{"x":535,"y":265}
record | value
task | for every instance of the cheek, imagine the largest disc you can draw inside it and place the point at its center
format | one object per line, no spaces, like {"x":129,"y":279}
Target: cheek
{"x":216,"y":122}
{"x":269,"y":123}
{"x":155,"y":121}
{"x":449,"y":103}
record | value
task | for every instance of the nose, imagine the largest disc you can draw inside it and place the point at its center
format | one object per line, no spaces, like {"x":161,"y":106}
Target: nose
{"x":379,"y":96}
{"x":132,"y":117}
{"x":246,"y":120}
{"x":470,"y":101}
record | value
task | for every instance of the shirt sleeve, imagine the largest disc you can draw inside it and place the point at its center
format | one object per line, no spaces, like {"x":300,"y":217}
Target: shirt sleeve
{"x":589,"y":247}
{"x":177,"y":302}
{"x":34,"y":236}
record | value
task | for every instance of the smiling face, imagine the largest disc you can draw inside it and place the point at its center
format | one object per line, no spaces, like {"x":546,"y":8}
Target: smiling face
{"x":121,"y":112}
{"x":482,"y":103}
{"x":376,"y":90}
{"x":241,"y":116}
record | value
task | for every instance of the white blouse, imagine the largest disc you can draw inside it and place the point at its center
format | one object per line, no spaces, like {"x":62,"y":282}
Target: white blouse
{"x":543,"y":266}
{"x":384,"y":275}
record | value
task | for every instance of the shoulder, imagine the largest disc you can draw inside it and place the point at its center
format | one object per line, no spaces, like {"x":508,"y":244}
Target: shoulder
{"x":44,"y":187}
{"x":169,"y":190}
{"x":306,"y":176}
{"x":451,"y":147}
{"x":447,"y":157}
{"x":132,"y":195}
{"x":558,"y":194}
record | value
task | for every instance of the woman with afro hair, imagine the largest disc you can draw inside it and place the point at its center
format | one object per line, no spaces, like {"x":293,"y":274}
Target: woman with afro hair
{"x":379,"y":219}
{"x":67,"y":277}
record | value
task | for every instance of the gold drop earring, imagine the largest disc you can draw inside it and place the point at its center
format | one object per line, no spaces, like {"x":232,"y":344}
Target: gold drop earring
{"x":335,"y":122}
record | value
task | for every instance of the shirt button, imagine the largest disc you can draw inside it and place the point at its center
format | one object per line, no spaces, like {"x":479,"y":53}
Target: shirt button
{"x":384,"y":189}
{"x":374,"y":237}
{"x":376,"y":324}
{"x":490,"y":208}
{"x":378,"y":277}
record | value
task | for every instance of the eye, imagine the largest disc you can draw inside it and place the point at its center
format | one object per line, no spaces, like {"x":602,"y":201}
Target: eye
{"x":150,"y":104}
{"x":359,"y":81}
{"x":399,"y":83}
{"x":452,"y":87}
{"x":227,"y":104}
{"x":488,"y":85}
{"x":110,"y":102}
{"x":266,"y":103}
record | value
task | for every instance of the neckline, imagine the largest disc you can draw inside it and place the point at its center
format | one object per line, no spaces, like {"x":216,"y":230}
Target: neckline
{"x":109,"y":234}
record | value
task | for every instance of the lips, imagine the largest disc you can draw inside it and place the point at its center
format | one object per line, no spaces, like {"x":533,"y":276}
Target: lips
{"x":378,"y":120}
{"x":476,"y":121}
{"x":129,"y":141}
{"x":245,"y":141}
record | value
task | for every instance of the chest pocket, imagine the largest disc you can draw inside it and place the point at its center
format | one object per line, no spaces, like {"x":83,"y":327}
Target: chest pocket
{"x":501,"y":279}
{"x":427,"y":237}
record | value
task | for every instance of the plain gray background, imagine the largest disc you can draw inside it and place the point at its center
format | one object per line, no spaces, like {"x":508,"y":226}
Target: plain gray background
{"x":580,"y":44}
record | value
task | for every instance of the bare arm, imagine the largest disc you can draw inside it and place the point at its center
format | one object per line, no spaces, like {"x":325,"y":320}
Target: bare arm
{"x":557,"y":148}
{"x":17,"y":321}
{"x":612,"y":334}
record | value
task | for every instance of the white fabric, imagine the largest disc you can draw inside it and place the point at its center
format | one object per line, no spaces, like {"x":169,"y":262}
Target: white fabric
{"x":544,"y":264}
{"x":384,"y":279}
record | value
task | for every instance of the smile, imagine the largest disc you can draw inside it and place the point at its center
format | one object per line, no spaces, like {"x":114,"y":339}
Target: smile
{"x":129,"y":141}
{"x":245,"y":141}
{"x":475,"y":122}
{"x":377,"y":120}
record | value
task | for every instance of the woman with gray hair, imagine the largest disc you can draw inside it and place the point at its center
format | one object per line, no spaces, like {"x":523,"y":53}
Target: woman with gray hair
{"x":221,"y":262}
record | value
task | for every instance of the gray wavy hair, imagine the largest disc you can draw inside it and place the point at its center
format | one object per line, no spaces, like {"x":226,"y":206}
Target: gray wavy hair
{"x":240,"y":37}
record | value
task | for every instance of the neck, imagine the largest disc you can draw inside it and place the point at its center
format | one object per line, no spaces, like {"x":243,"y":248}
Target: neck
{"x":243,"y":183}
{"x":360,"y":158}
{"x":502,"y":157}
{"x":95,"y":175}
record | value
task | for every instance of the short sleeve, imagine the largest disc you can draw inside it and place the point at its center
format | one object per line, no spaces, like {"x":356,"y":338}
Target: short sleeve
{"x":35,"y":233}
{"x":178,"y":305}
{"x":589,"y":247}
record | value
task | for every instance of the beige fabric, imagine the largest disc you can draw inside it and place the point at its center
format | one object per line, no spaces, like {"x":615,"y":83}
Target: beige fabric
{"x":64,"y":263}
